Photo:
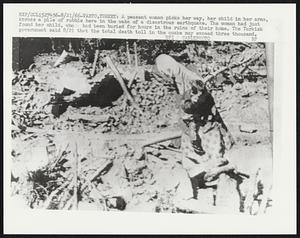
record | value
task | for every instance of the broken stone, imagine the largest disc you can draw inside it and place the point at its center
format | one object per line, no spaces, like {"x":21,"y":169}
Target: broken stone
{"x":138,"y":183}
{"x":154,"y":151}
{"x":32,"y":66}
{"x":248,"y":88}
{"x":134,"y":166}
{"x":116,"y":202}
{"x":122,"y":150}
{"x":248,"y":128}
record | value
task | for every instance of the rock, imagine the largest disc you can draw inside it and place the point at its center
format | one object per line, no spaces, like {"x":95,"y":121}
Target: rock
{"x":32,"y":66}
{"x":122,"y":150}
{"x":248,"y":128}
{"x":138,"y":154}
{"x":116,"y":202}
{"x":154,"y":151}
{"x":134,"y":166}
{"x":30,"y":77}
{"x":85,"y":71}
{"x":15,"y":79}
{"x":249,"y":88}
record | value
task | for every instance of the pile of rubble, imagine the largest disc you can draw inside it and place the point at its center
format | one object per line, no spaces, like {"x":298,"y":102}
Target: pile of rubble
{"x":29,"y":98}
{"x":157,"y":110}
{"x":105,"y":168}
{"x":155,"y":100}
{"x":47,"y":180}
{"x":245,"y":109}
{"x":78,"y":165}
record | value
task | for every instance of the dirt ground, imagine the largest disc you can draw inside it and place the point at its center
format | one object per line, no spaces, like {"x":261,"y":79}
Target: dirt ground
{"x":92,"y":146}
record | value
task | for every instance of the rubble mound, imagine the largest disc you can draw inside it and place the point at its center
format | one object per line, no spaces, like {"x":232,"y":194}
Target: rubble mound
{"x":88,"y":152}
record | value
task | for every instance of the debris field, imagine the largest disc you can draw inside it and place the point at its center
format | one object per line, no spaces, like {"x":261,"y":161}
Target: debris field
{"x":83,"y":152}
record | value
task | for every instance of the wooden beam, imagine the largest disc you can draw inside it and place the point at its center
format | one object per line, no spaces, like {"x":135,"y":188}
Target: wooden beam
{"x":128,"y":53}
{"x":95,"y":63}
{"x":122,"y":83}
{"x":135,"y":54}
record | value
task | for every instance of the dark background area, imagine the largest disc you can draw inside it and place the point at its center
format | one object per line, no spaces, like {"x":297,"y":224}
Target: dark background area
{"x":25,"y":49}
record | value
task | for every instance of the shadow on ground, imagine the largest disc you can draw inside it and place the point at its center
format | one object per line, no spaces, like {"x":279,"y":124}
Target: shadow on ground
{"x":101,"y":95}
